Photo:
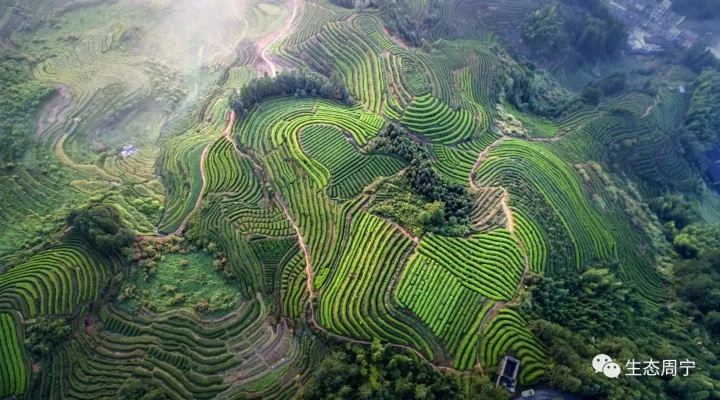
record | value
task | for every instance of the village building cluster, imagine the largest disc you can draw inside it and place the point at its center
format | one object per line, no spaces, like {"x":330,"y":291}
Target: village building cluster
{"x":653,"y":27}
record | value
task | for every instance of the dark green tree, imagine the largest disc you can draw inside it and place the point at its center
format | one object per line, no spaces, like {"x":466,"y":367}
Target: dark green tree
{"x":43,"y":334}
{"x":136,"y":389}
{"x":19,"y":103}
{"x":698,"y":9}
{"x":543,"y":30}
{"x":674,"y":208}
{"x":287,"y":83}
{"x":101,"y":225}
{"x":422,"y":176}
{"x":703,"y":116}
{"x":376,"y":372}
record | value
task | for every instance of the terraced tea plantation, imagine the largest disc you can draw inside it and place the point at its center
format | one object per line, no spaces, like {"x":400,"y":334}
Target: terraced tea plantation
{"x":270,"y":230}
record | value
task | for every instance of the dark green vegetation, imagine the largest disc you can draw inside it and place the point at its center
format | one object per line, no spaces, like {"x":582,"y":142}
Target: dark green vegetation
{"x":19,"y":105}
{"x":596,"y":313}
{"x":698,"y":287}
{"x":702,"y":129}
{"x":298,"y":83}
{"x":43,"y":334}
{"x":422,"y":189}
{"x":376,"y":372}
{"x":451,"y":201}
{"x":398,"y":19}
{"x":701,"y":9}
{"x":102,"y":226}
{"x":138,"y":390}
{"x":585,"y":26}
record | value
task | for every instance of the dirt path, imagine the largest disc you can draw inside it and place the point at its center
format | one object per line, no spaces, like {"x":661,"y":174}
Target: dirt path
{"x":510,"y":227}
{"x":228,"y":131}
{"x":402,"y":230}
{"x":228,"y":128}
{"x":199,"y":200}
{"x":263,"y":44}
{"x":507,"y":211}
{"x":481,"y":157}
{"x":650,"y":107}
{"x":203,"y":156}
{"x":310,"y":275}
{"x":306,"y":253}
{"x":506,"y":196}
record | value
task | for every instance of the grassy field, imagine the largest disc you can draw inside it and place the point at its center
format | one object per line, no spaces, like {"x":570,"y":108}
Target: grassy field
{"x":185,"y":280}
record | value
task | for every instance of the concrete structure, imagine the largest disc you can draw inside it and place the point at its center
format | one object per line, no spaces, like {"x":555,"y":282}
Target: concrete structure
{"x":509,"y":368}
{"x":660,"y":10}
{"x":653,"y":26}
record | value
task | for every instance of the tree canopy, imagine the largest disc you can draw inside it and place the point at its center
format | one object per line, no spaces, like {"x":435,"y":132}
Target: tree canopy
{"x":423,"y":178}
{"x":136,"y":389}
{"x":698,"y":282}
{"x":101,"y":225}
{"x":702,"y":121}
{"x":19,"y":104}
{"x":544,"y":31}
{"x":580,"y":316}
{"x":43,"y":334}
{"x":398,"y":21}
{"x":376,"y":372}
{"x":697,"y":9}
{"x":302,"y":83}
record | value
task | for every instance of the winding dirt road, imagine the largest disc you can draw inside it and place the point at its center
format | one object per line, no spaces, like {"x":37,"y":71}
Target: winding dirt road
{"x":203,"y":156}
{"x":510,"y":227}
{"x":266,"y":42}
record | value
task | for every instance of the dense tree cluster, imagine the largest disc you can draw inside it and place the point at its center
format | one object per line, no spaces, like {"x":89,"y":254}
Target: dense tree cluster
{"x":674,"y":209}
{"x":586,"y":25}
{"x":543,"y":31}
{"x":698,"y":57}
{"x":683,"y":227}
{"x":703,"y":116}
{"x":376,"y":372}
{"x":303,"y":83}
{"x":593,"y":30}
{"x":433,"y":14}
{"x":698,"y":9}
{"x":101,"y":225}
{"x":698,"y":284}
{"x":43,"y":334}
{"x":590,"y":301}
{"x":608,"y":86}
{"x":136,"y":389}
{"x":580,"y":316}
{"x":702,"y":120}
{"x":398,"y":21}
{"x":19,"y":105}
{"x":696,"y":239}
{"x":421,"y":175}
{"x":533,"y":92}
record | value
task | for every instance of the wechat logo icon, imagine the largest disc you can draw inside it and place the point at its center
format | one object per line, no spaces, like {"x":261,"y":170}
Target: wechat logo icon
{"x":603,"y":363}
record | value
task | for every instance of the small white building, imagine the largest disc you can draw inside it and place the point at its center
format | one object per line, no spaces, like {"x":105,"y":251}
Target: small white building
{"x":660,"y":10}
